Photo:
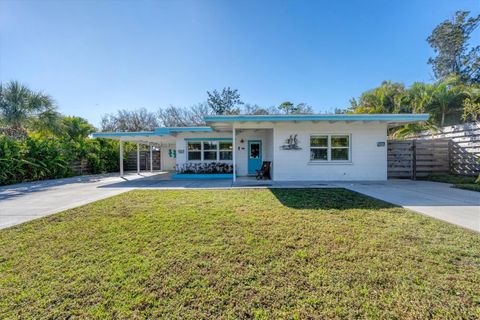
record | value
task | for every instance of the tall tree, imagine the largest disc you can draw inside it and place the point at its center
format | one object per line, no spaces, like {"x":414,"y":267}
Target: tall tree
{"x":255,"y":109}
{"x":387,"y":98}
{"x":76,"y":128}
{"x":226,"y":102}
{"x":286,"y":107}
{"x":125,"y":120}
{"x":289,"y":107}
{"x":419,"y":96}
{"x":183,"y":117}
{"x":471,"y":105}
{"x":454,"y":56}
{"x":21,"y":107}
{"x":447,"y":99}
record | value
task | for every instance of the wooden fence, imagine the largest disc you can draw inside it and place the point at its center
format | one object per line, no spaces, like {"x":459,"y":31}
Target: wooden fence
{"x":418,"y":158}
{"x":80,"y":166}
{"x":464,"y":148}
{"x":131,"y":160}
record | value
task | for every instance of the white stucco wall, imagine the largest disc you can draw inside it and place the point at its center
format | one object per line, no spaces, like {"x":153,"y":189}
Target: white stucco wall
{"x":241,"y":151}
{"x":368,"y":161}
{"x":167,"y":162}
{"x":181,"y":143}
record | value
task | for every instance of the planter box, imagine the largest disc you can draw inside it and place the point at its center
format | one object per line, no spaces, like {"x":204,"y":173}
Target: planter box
{"x":201,"y":176}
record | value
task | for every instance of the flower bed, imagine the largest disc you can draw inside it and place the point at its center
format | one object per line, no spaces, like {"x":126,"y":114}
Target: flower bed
{"x":205,"y":168}
{"x":210,"y":170}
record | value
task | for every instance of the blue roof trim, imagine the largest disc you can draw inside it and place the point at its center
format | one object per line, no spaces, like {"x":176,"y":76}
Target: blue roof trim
{"x":208,"y":139}
{"x":157,"y":132}
{"x":168,"y":130}
{"x":124,"y":134}
{"x":320,"y":117}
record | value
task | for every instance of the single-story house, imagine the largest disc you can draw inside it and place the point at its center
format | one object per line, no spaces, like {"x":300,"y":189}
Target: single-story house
{"x":299,"y":147}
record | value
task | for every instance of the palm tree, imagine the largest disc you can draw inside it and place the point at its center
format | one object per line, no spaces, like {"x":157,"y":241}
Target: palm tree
{"x":471,"y":104}
{"x":446,"y":98}
{"x":419,"y":96}
{"x":21,"y":107}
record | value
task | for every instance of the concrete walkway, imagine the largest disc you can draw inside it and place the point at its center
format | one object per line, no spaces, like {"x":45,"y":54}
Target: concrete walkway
{"x":27,"y":201}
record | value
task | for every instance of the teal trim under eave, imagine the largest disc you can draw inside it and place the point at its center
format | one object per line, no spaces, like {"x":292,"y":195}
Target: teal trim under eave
{"x":208,"y":139}
{"x":158,"y":132}
{"x":320,"y":117}
{"x":124,"y":134}
{"x":200,"y":176}
{"x":168,"y":130}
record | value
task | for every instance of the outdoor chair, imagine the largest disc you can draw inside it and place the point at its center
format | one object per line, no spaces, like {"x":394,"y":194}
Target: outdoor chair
{"x":264,"y":171}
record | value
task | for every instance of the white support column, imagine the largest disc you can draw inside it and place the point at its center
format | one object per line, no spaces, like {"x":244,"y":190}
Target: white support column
{"x":151,"y":158}
{"x":121,"y":158}
{"x":138,"y":158}
{"x":272,"y":165}
{"x":233,"y":155}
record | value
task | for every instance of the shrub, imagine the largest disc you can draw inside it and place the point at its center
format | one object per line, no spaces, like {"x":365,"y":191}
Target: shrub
{"x":38,"y":158}
{"x":205,"y":168}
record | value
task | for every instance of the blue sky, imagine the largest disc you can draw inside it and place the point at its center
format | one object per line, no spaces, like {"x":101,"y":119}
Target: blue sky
{"x":95,"y":57}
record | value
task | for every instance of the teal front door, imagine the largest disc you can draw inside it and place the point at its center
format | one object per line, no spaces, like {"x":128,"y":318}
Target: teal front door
{"x":254,"y":155}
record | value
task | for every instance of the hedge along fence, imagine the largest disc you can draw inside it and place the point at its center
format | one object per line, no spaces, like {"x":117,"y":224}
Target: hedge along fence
{"x":33,"y":158}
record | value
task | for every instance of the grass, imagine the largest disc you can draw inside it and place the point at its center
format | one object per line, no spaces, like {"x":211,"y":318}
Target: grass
{"x":281,"y":253}
{"x":461,"y":182}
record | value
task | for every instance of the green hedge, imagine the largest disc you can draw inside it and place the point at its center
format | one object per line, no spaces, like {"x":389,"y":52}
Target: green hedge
{"x":38,"y":158}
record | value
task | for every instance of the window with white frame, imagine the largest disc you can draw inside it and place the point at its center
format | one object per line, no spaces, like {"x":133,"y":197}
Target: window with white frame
{"x":226,"y":150}
{"x":330,"y":147}
{"x":209,"y":150}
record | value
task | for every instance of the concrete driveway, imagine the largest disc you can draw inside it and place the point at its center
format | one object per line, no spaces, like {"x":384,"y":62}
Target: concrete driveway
{"x":27,"y":201}
{"x":437,"y":200}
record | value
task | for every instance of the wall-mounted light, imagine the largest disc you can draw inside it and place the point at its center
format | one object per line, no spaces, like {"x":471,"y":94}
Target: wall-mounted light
{"x":242,"y":141}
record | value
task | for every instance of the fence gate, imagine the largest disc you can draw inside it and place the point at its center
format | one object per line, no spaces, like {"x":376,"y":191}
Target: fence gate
{"x":400,"y":159}
{"x":418,"y":158}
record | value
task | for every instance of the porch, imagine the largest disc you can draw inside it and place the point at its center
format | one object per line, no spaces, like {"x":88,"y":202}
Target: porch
{"x":251,"y":147}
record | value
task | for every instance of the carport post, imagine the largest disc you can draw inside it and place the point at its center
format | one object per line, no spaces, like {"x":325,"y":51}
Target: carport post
{"x":151,"y":159}
{"x":138,"y":158}
{"x":121,"y":158}
{"x":233,"y":155}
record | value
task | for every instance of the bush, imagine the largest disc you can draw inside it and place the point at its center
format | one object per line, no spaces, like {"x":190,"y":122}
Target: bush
{"x":103,"y":156}
{"x":38,"y":158}
{"x":205,"y":168}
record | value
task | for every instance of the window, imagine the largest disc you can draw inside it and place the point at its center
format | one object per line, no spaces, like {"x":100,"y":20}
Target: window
{"x":194,"y":151}
{"x":226,"y":151}
{"x":335,"y":147}
{"x":319,"y":148}
{"x":254,"y":150}
{"x":209,"y":151}
{"x":340,"y":147}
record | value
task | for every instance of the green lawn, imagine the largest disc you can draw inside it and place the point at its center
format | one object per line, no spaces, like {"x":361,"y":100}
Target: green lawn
{"x":461,"y":182}
{"x":273,"y":254}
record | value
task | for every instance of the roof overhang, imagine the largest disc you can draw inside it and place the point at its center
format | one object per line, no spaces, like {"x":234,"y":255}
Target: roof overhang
{"x":221,"y":121}
{"x":159,"y":135}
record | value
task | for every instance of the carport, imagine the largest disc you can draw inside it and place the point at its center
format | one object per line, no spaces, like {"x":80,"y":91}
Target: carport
{"x":160,"y":138}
